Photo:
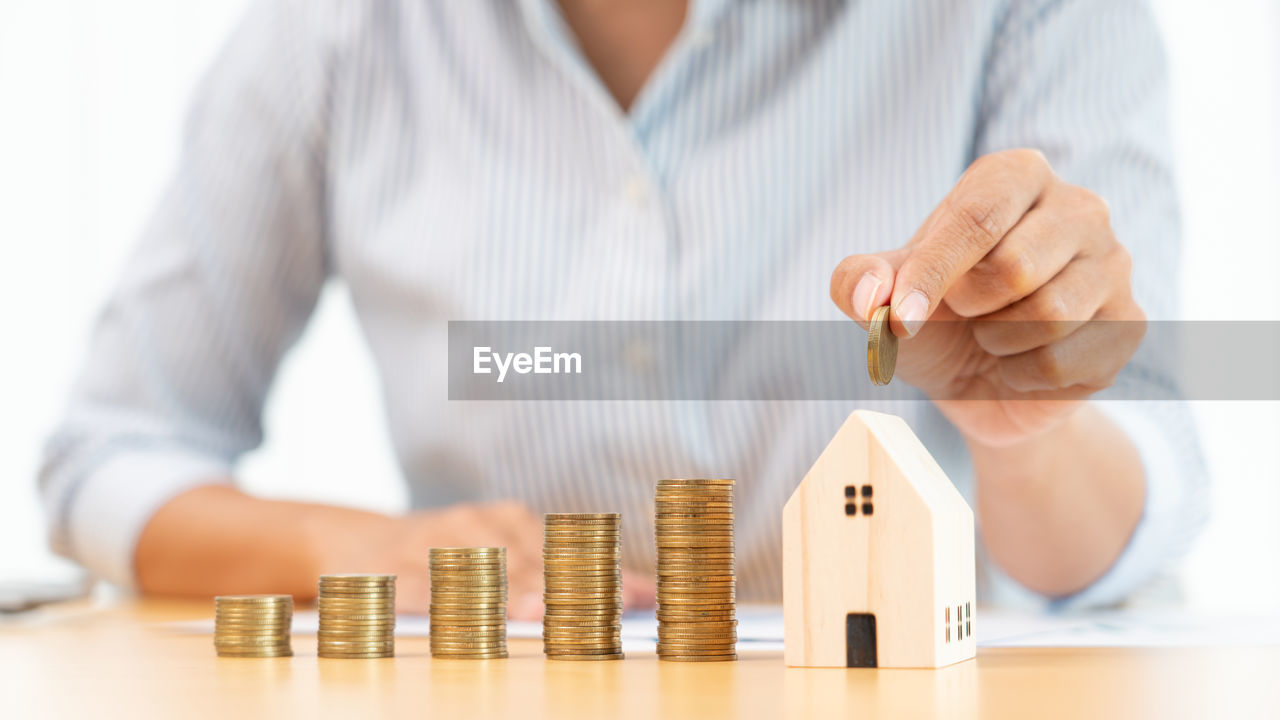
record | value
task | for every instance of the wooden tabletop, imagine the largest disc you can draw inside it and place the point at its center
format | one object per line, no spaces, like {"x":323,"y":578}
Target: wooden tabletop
{"x":86,"y":660}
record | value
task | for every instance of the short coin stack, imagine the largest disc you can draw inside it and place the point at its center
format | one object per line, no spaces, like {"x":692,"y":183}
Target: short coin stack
{"x":252,"y":625}
{"x":694,"y":534}
{"x":357,"y":616}
{"x":582,"y":565}
{"x":469,"y":602}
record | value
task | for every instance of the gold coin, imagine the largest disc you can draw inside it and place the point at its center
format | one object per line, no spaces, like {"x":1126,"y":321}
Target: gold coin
{"x":251,"y":612}
{"x":882,"y":348}
{"x":695,"y":616}
{"x":466,"y":646}
{"x":601,"y":648}
{"x":468,"y":552}
{"x":251,"y":639}
{"x":701,"y":522}
{"x":552,"y":632}
{"x":666,"y":635}
{"x":699,"y":658}
{"x":441,"y":577}
{"x":677,"y":584}
{"x":580,"y":656}
{"x":666,"y":575}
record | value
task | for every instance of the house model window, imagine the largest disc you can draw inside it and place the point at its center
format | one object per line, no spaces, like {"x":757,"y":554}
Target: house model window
{"x":851,"y":500}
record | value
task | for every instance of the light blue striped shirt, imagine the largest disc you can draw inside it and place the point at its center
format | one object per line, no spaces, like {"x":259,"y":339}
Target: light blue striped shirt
{"x":461,"y":161}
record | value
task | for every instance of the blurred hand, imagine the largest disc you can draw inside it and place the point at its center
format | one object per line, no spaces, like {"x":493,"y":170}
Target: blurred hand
{"x":1008,"y":269}
{"x":399,"y":545}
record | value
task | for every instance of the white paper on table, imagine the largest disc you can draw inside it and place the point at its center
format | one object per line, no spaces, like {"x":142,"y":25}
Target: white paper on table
{"x":760,"y":629}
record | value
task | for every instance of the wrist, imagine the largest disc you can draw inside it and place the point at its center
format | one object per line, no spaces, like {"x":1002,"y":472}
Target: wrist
{"x":1022,"y":424}
{"x":1020,"y":468}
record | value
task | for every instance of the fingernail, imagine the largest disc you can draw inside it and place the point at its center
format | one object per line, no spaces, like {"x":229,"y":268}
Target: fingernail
{"x":912,"y":311}
{"x":865,"y":294}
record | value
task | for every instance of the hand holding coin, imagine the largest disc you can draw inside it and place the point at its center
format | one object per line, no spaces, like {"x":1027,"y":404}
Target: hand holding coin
{"x":1014,"y":291}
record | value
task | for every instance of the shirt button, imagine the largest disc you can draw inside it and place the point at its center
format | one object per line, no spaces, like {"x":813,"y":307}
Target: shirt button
{"x":636,"y":190}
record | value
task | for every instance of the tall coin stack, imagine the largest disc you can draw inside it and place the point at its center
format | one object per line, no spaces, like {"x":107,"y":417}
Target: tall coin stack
{"x":469,"y":602}
{"x":582,"y":567}
{"x":693,"y":526}
{"x":357,"y":616}
{"x":252,"y":625}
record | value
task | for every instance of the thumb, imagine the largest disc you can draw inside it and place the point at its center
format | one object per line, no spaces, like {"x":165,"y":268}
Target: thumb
{"x":862,"y":283}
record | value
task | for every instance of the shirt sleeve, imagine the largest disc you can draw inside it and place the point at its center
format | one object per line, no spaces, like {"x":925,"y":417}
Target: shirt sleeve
{"x":222,"y":282}
{"x":1085,"y":82}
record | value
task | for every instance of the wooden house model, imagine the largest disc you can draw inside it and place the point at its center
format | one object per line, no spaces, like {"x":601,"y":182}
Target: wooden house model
{"x":878,"y":555}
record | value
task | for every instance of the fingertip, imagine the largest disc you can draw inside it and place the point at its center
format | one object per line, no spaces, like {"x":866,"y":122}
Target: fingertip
{"x":871,"y":292}
{"x":860,"y":284}
{"x":911,"y":312}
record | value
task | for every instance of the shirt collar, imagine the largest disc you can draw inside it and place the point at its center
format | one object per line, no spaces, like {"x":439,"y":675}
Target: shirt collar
{"x":543,"y":18}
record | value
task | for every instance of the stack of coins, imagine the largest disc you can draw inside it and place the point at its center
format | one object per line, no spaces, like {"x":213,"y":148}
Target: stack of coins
{"x":252,"y":625}
{"x":357,"y":616}
{"x":694,"y":533}
{"x":582,"y":566}
{"x":469,"y":602}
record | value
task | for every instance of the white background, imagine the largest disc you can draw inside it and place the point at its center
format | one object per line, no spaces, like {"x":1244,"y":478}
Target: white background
{"x":92,"y":96}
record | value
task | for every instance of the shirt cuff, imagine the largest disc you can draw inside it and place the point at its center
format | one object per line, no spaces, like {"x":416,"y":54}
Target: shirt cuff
{"x":1158,"y":528}
{"x":114,"y":503}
